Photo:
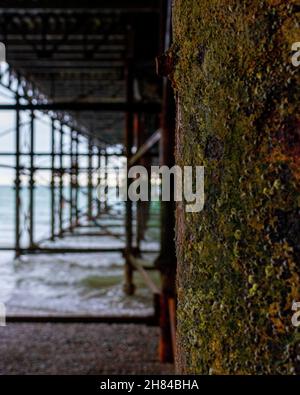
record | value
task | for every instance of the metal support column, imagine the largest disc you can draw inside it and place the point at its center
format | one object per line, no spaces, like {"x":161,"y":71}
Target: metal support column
{"x":17,"y":180}
{"x":140,"y":137}
{"x":31,"y":182}
{"x":99,"y":181}
{"x":77,"y":187}
{"x":166,"y":261}
{"x":53,"y":213}
{"x":72,"y":183}
{"x":129,"y":287}
{"x":90,"y":181}
{"x":61,"y":181}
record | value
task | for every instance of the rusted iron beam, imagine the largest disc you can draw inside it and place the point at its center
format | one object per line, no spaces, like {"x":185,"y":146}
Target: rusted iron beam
{"x":61,"y":182}
{"x":8,"y":248}
{"x":77,"y":186}
{"x":129,"y":287}
{"x":17,"y":180}
{"x":65,"y":170}
{"x":31,"y":181}
{"x":99,"y":180}
{"x":85,"y":106}
{"x":90,"y":181}
{"x":72,"y":182}
{"x":154,"y":139}
{"x":69,"y":250}
{"x":112,"y":234}
{"x":172,"y":316}
{"x":139,"y":133}
{"x":106,"y":164}
{"x":85,"y":7}
{"x":82,"y":319}
{"x":82,"y":154}
{"x":40,"y":250}
{"x":166,"y":261}
{"x":52,"y":187}
{"x":138,"y":264}
{"x":56,"y":235}
{"x":96,"y":234}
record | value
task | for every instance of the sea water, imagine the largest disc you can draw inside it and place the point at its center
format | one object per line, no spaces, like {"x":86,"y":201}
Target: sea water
{"x":62,"y":283}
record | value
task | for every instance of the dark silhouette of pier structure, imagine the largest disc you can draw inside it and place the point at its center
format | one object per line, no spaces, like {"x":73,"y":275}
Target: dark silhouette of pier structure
{"x":90,"y":67}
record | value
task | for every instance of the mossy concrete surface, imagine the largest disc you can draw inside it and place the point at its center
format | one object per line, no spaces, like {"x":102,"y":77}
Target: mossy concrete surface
{"x":238,"y":115}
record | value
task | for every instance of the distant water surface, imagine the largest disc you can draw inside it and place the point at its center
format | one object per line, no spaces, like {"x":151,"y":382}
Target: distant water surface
{"x":66,"y":283}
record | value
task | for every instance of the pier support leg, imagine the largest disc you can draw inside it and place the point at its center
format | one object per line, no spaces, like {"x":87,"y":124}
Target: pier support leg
{"x":106,"y":206}
{"x":90,"y":181}
{"x":17,"y":181}
{"x":166,"y":261}
{"x":61,"y":182}
{"x":77,"y":188}
{"x":129,"y":286}
{"x":31,"y":182}
{"x":52,"y":187}
{"x":99,"y":182}
{"x":72,"y":182}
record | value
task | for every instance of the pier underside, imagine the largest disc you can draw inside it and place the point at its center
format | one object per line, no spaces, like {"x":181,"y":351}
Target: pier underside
{"x":85,"y":73}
